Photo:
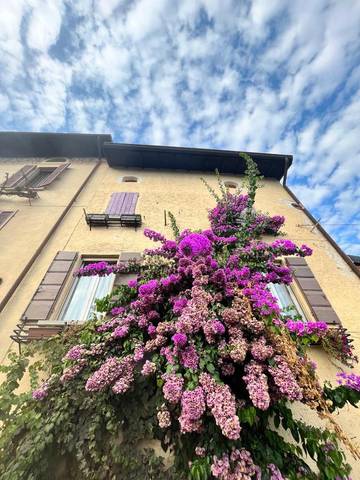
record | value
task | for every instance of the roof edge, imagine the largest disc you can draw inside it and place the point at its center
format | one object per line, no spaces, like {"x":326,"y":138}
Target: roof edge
{"x":325,"y":233}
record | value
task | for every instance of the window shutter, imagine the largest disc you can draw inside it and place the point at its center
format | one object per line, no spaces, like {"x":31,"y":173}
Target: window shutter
{"x":123,"y":278}
{"x":44,"y":299}
{"x":52,"y":176}
{"x":319,"y":304}
{"x":20,"y":177}
{"x":5,"y":216}
{"x":122,"y":203}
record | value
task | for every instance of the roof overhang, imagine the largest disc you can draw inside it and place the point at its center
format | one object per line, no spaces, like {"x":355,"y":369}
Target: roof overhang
{"x":198,"y":159}
{"x":39,"y":144}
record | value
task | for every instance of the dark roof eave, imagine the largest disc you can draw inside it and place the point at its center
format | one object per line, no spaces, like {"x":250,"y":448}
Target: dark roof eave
{"x":200,"y":159}
{"x":46,"y":144}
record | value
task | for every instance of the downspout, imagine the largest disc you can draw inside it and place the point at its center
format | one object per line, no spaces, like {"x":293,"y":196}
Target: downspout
{"x":38,"y":251}
{"x":286,"y":168}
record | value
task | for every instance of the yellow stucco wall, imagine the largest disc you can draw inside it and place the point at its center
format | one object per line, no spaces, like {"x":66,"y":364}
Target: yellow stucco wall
{"x":187,"y":198}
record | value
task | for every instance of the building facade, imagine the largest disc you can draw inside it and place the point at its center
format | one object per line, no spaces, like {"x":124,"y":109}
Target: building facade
{"x":90,"y":193}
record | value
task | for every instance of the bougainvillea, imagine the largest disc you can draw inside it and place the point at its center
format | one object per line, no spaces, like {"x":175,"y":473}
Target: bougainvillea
{"x":200,"y":327}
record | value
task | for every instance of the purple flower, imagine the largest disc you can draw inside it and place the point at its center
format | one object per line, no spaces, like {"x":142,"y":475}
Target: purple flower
{"x":194,"y":245}
{"x":180,"y":339}
{"x":349,"y":380}
{"x":155,"y":236}
{"x":117,"y":311}
{"x":148,"y":288}
{"x":189,"y":357}
{"x":218,"y":327}
{"x":41,"y":392}
{"x":179,"y":305}
{"x":120,"y":331}
{"x":305,"y":250}
{"x":75,"y":353}
{"x":151,"y":329}
{"x":132,"y":283}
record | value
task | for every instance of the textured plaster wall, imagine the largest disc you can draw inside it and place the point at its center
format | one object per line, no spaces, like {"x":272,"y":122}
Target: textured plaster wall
{"x":187,"y":198}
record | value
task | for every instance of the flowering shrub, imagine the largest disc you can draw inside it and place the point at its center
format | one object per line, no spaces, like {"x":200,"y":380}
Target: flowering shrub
{"x":198,"y":348}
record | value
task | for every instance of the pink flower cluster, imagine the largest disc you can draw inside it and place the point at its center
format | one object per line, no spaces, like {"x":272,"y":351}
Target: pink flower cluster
{"x":173,"y":387}
{"x":284,"y":379}
{"x":260,"y":350}
{"x":109,"y":371}
{"x":148,"y":368}
{"x":164,"y":417}
{"x":237,"y":466}
{"x":257,"y":385}
{"x":75,"y":353}
{"x":275,"y":473}
{"x":189,"y":357}
{"x":71,"y":372}
{"x":192,"y":409}
{"x":41,"y":392}
{"x":126,"y":376}
{"x":221,"y":402}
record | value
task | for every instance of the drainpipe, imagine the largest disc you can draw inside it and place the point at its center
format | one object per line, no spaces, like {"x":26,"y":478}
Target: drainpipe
{"x":38,"y":251}
{"x":286,"y":168}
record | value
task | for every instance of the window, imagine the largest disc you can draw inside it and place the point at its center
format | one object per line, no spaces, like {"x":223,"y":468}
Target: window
{"x":41,"y":175}
{"x":57,"y":160}
{"x":229,"y":184}
{"x":286,"y":300}
{"x":130,"y":179}
{"x":5,"y":216}
{"x":80,"y":305}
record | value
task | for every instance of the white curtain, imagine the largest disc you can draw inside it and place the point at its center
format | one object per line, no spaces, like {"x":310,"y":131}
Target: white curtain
{"x":81,"y":302}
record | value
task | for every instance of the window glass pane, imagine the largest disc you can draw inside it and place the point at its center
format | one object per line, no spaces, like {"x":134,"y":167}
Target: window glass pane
{"x":103,"y":288}
{"x":80,"y":299}
{"x":81,"y":302}
{"x":286,"y":300}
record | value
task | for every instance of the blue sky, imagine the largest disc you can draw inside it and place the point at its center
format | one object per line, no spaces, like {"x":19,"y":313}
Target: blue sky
{"x":276,"y":76}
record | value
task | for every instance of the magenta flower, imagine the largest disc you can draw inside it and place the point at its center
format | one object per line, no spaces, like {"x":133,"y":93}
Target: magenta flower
{"x":180,"y":339}
{"x":194,"y":245}
{"x":349,"y":380}
{"x":148,"y":288}
{"x":132,"y":283}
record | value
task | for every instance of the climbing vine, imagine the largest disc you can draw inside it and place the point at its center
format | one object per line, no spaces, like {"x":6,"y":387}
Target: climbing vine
{"x":194,"y":354}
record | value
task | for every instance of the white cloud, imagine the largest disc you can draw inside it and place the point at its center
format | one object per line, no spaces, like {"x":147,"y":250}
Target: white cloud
{"x":266,"y":76}
{"x":44,"y":24}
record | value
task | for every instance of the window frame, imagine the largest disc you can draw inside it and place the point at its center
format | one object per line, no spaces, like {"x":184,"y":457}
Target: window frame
{"x":70,"y":286}
{"x":231,"y":184}
{"x":38,"y":176}
{"x":12,"y":213}
{"x":297,"y":295}
{"x":297,"y":304}
{"x":130,"y":179}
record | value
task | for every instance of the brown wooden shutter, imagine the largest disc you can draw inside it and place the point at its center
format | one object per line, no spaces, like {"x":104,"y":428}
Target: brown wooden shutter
{"x":44,"y":299}
{"x":319,"y":304}
{"x":123,"y":278}
{"x":5,"y":216}
{"x":52,"y":176}
{"x":20,"y":178}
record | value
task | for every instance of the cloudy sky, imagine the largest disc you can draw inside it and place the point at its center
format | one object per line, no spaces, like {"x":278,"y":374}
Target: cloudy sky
{"x":259,"y":75}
